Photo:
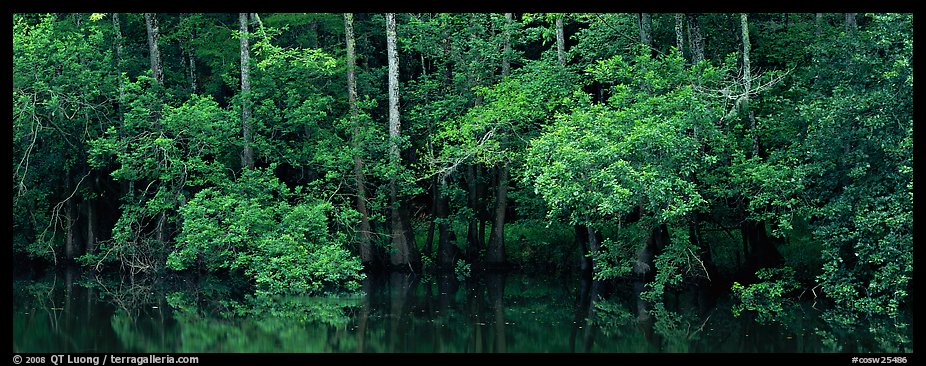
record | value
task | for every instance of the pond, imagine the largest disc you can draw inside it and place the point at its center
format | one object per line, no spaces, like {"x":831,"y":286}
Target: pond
{"x":70,"y":312}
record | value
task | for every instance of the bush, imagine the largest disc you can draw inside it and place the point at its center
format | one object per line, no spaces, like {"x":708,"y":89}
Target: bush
{"x":766,"y":297}
{"x":250,"y":225}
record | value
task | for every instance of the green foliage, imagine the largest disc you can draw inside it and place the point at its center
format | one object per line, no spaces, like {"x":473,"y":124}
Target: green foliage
{"x":859,"y":142}
{"x":180,"y":149}
{"x":767,"y":297}
{"x":616,"y":257}
{"x":603,"y":159}
{"x":462,"y":270}
{"x":61,"y":96}
{"x":621,"y":133}
{"x":637,"y":151}
{"x":250,"y":225}
{"x":676,"y":262}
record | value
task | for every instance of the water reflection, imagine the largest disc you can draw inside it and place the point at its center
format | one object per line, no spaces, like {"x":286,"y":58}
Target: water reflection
{"x":406,"y":313}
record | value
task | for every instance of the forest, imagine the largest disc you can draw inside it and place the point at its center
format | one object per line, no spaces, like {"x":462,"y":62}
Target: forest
{"x":768,"y":155}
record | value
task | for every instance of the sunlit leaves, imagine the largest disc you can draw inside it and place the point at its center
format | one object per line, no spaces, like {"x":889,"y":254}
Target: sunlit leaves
{"x":600,"y":161}
{"x":251,"y":225}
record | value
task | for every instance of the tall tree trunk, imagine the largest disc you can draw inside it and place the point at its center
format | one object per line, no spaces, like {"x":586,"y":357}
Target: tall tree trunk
{"x":581,"y":238}
{"x":151,"y":23}
{"x":187,"y":49}
{"x":645,"y":21}
{"x":393,"y":60}
{"x":679,"y":37}
{"x":90,"y":244}
{"x":446,"y":249}
{"x":406,"y":252}
{"x":695,"y":42}
{"x":506,"y":64}
{"x":818,"y":25}
{"x":429,"y":241}
{"x":117,"y":39}
{"x":473,"y":235}
{"x":366,"y":252}
{"x":313,"y":34}
{"x":851,"y":33}
{"x":594,"y":243}
{"x":747,"y":83}
{"x":496,"y":250}
{"x":560,"y":41}
{"x":851,"y":25}
{"x":71,"y":233}
{"x":247,"y":155}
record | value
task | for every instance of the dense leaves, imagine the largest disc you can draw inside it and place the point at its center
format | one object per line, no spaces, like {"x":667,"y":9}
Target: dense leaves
{"x":667,"y":158}
{"x":250,"y":225}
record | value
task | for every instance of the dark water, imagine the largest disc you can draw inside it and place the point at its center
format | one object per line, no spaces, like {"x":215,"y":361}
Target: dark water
{"x":70,"y":312}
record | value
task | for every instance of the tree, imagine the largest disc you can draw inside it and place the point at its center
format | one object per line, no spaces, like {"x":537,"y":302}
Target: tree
{"x":406,"y":252}
{"x":646,"y":29}
{"x":154,"y":55}
{"x":695,"y":42}
{"x":495,"y":253}
{"x":679,"y":38}
{"x":366,"y":252}
{"x":247,"y":154}
{"x":560,"y":41}
{"x":747,"y":84}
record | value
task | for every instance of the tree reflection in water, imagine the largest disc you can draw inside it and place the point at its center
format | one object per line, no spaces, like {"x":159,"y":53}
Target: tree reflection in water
{"x":406,"y":313}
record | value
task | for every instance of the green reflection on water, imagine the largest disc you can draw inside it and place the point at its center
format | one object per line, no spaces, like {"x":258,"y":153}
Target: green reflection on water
{"x":402,"y":313}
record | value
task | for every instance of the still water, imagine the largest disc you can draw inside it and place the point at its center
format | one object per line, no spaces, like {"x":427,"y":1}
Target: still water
{"x":71,"y":312}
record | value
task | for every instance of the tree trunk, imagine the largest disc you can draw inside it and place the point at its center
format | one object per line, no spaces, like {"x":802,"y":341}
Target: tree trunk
{"x":644,"y":266}
{"x":247,"y":155}
{"x":447,"y":250}
{"x":496,"y":250}
{"x":117,"y":39}
{"x":851,"y":33}
{"x":429,"y":241}
{"x":71,"y":234}
{"x":646,"y":29}
{"x":747,"y":83}
{"x":818,"y":25}
{"x":695,"y":42}
{"x":151,"y":23}
{"x":393,"y":60}
{"x":851,"y":25}
{"x":679,"y":37}
{"x":473,"y":235}
{"x":406,"y":252}
{"x":506,"y":64}
{"x":560,"y":41}
{"x":187,"y":49}
{"x":581,"y":235}
{"x":366,"y":253}
{"x":594,"y":243}
{"x":90,"y":244}
{"x":762,"y":251}
{"x":694,"y":237}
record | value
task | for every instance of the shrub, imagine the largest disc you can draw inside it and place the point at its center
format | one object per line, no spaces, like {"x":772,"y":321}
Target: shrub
{"x":250,"y":225}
